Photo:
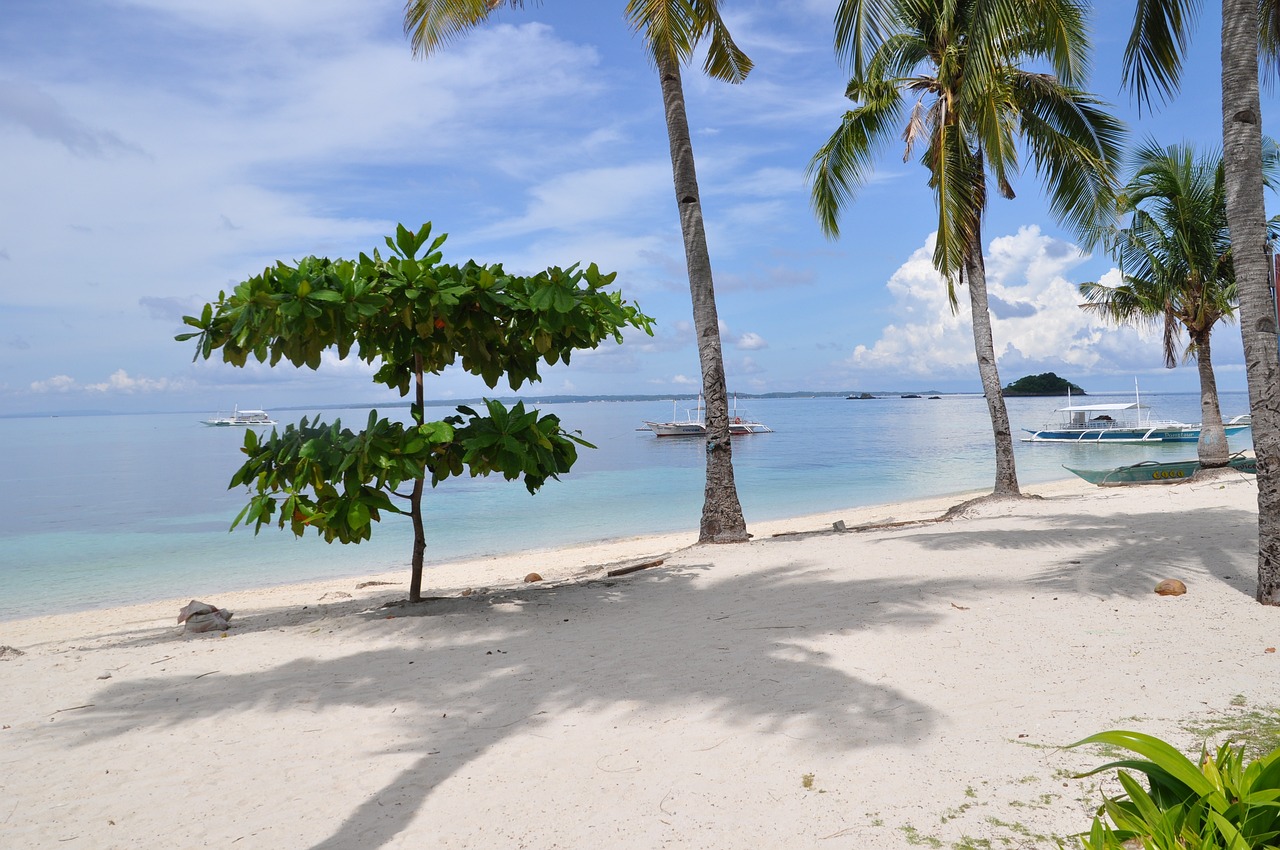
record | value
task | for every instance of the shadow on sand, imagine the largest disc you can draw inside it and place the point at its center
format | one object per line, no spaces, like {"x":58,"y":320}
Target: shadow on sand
{"x":739,"y":648}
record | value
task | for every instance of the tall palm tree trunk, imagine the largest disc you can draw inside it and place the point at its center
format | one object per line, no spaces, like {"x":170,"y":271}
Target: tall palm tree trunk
{"x":1246,"y":218}
{"x":984,"y":347}
{"x":722,"y":520}
{"x":1212,"y":448}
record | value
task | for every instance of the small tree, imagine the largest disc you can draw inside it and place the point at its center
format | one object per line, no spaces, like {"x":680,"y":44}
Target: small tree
{"x":414,"y":316}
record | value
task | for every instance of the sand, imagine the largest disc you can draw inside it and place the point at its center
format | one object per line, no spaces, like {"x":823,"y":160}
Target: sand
{"x":906,"y":686}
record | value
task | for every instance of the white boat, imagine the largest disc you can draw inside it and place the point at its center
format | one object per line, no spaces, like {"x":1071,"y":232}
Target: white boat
{"x":694,"y":424}
{"x":242,"y":418}
{"x":1129,"y":422}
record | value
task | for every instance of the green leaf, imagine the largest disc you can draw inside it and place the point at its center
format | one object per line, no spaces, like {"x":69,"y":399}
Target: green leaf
{"x":563,"y":301}
{"x":437,"y":432}
{"x":405,"y":241}
{"x":1164,"y":758}
{"x":358,"y":515}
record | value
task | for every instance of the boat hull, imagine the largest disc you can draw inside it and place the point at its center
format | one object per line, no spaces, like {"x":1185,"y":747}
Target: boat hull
{"x":677,"y":429}
{"x":242,"y":419}
{"x":1158,"y":434}
{"x":697,"y":429}
{"x":1154,"y":472}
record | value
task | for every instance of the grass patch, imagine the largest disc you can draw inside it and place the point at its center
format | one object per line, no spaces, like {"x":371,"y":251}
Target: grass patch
{"x":1256,"y":729}
{"x":918,"y":839}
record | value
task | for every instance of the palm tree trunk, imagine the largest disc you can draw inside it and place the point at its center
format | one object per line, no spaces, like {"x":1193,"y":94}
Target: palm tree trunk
{"x":984,"y":347}
{"x":722,"y":520}
{"x":1246,"y":218}
{"x":1212,"y":448}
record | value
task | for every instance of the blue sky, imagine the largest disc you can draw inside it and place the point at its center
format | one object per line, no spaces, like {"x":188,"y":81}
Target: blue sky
{"x":158,"y":151}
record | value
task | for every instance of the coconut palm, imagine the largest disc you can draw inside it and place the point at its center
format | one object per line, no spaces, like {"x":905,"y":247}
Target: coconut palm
{"x":1175,"y":261}
{"x":671,"y":29}
{"x":1153,"y":64}
{"x":948,"y":72}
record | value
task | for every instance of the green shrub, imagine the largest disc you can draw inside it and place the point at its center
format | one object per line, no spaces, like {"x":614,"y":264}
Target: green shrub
{"x":1225,"y":803}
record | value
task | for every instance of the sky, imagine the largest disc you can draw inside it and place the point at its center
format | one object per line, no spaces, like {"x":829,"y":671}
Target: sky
{"x":157,"y":152}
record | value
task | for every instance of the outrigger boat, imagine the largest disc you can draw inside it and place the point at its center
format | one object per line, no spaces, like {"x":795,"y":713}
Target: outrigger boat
{"x":694,"y":424}
{"x":1129,"y":422}
{"x":1156,"y":472}
{"x":242,"y":418}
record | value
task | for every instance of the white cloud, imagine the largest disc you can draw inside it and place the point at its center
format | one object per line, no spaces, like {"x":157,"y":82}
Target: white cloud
{"x":750,"y":341}
{"x":56,"y":384}
{"x":1036,"y":318}
{"x":118,"y":382}
{"x":589,"y":196}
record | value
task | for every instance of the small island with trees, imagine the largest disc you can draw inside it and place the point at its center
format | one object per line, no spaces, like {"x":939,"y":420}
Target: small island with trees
{"x":1045,"y":384}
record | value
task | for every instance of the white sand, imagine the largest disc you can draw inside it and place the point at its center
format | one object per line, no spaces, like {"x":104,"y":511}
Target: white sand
{"x":860,"y":690}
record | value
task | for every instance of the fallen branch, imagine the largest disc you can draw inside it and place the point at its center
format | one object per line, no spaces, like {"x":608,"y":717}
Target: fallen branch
{"x":74,"y":708}
{"x":634,"y":568}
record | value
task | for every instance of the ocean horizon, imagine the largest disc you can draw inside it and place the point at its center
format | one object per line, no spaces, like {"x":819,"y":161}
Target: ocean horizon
{"x":108,"y":510}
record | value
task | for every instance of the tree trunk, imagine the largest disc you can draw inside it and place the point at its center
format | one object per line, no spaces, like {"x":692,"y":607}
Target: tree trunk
{"x":722,"y":520}
{"x":984,"y":347}
{"x":415,"y":498}
{"x":1246,"y":218}
{"x":1212,"y":448}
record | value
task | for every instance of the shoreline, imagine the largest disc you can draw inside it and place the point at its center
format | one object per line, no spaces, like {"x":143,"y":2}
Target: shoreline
{"x":502,"y":569}
{"x":879,"y":689}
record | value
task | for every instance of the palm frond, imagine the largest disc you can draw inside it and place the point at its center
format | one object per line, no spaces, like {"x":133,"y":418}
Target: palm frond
{"x":1269,"y":38}
{"x":1075,"y":146}
{"x":860,"y":27}
{"x":959,"y":187}
{"x":994,"y":128}
{"x":1157,"y":44}
{"x":667,"y":27}
{"x":1169,"y":338}
{"x":725,"y":61}
{"x":916,"y":128}
{"x":845,"y":162}
{"x":431,"y":24}
{"x":1004,"y":31}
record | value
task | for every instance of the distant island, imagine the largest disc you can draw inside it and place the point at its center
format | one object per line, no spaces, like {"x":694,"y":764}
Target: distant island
{"x":1045,"y":384}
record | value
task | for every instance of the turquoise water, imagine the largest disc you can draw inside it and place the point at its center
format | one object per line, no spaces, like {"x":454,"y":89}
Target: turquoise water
{"x":99,"y":511}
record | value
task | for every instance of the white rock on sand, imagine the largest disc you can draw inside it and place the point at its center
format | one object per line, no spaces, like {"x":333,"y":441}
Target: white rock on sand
{"x":858,"y":690}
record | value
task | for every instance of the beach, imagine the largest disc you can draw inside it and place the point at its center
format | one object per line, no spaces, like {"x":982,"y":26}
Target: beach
{"x":910,"y":684}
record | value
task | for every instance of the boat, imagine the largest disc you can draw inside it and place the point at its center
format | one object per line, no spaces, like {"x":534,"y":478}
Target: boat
{"x":694,"y":424}
{"x":1156,"y":472}
{"x":1119,"y":423}
{"x":1128,"y":422}
{"x":241,"y":418}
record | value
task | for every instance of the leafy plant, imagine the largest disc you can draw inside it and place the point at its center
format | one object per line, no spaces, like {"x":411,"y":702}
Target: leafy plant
{"x":1224,"y":803}
{"x":412,"y":315}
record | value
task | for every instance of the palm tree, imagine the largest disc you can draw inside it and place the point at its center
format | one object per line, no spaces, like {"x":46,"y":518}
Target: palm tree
{"x":951,"y":69}
{"x":1175,"y":258}
{"x":672,"y":29}
{"x":1153,"y":60}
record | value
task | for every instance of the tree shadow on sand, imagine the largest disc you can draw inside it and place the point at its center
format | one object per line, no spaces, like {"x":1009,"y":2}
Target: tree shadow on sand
{"x":671,"y":640}
{"x":1121,"y":554}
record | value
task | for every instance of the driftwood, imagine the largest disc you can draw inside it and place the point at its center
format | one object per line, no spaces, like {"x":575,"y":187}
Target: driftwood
{"x":634,"y":568}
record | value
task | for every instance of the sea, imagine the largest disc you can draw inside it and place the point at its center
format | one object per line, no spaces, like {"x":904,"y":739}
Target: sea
{"x":108,"y":510}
